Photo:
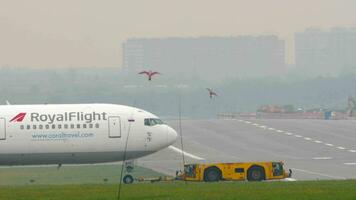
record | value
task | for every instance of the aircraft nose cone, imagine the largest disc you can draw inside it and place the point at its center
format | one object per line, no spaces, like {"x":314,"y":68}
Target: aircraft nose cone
{"x":171,"y":135}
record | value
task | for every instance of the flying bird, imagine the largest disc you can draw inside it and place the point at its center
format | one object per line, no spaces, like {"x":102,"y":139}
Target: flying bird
{"x":149,"y":74}
{"x":211,"y":93}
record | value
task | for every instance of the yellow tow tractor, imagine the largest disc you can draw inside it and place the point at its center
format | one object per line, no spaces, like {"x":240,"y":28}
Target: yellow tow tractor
{"x":251,"y":171}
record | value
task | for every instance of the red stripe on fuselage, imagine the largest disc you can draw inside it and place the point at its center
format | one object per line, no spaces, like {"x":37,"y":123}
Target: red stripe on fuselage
{"x":18,"y":118}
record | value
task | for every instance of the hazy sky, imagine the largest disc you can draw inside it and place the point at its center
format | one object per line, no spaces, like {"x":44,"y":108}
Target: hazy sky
{"x":80,"y":33}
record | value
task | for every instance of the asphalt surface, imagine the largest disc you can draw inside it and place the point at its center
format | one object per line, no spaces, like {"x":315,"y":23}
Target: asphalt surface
{"x":313,"y":149}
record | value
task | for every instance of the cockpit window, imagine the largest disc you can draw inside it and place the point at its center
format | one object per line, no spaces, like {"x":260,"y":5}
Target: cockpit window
{"x":153,"y":121}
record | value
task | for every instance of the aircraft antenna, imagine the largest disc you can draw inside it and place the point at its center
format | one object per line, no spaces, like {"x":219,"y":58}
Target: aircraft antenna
{"x":180,"y":131}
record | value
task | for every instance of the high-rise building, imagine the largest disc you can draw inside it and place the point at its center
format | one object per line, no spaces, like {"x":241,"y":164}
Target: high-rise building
{"x":207,"y":57}
{"x":325,"y":52}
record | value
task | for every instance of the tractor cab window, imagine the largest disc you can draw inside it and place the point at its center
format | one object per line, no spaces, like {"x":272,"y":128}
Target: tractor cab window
{"x":152,"y":121}
{"x":277,"y":169}
{"x":189,"y":170}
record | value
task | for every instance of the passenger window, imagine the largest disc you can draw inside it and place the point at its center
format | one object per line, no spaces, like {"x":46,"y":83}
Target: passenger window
{"x":53,"y":126}
{"x":90,"y":125}
{"x":28,"y":127}
{"x":59,"y":126}
{"x":34,"y":127}
{"x":96,"y":125}
{"x":22,"y":127}
{"x":65,"y":126}
{"x":40,"y":126}
{"x":47,"y":126}
{"x":84,"y":126}
{"x":78,"y":125}
{"x":72,"y":126}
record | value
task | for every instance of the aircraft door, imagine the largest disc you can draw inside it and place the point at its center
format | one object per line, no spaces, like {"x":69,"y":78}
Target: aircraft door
{"x":114,"y":127}
{"x":2,"y":129}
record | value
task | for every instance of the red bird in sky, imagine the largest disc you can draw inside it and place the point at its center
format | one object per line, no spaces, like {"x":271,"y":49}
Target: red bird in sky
{"x":149,"y":74}
{"x":211,"y":93}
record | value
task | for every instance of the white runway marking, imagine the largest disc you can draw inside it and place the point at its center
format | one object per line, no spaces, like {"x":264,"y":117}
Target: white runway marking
{"x":350,"y":163}
{"x":322,"y":158}
{"x":298,"y":136}
{"x":185,"y":153}
{"x":320,"y":174}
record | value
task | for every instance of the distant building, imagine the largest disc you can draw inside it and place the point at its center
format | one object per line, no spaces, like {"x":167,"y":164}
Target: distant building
{"x":207,"y":57}
{"x":326,"y":52}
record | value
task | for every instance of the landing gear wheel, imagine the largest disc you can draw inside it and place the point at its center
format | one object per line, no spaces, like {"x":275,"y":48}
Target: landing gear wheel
{"x":128,"y":179}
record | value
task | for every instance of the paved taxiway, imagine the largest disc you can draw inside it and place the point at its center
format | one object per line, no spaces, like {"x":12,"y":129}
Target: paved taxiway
{"x":313,"y":149}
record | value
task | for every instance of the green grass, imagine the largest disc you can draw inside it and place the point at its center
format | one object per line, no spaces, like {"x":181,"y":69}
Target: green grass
{"x":100,"y":182}
{"x":324,"y":190}
{"x":81,"y":174}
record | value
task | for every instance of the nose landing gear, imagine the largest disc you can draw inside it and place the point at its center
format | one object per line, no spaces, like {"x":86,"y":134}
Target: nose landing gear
{"x":129,"y":167}
{"x":128,"y":179}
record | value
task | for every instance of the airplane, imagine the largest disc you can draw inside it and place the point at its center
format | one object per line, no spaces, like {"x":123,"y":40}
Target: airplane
{"x":79,"y":134}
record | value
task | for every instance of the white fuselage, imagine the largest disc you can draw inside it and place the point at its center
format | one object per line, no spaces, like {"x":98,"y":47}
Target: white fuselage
{"x":78,"y":133}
